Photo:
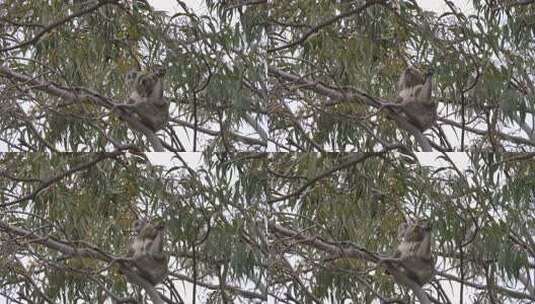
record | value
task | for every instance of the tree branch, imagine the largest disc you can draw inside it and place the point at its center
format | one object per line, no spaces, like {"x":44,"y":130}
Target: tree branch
{"x":328,"y":22}
{"x":511,"y":138}
{"x":241,"y":292}
{"x":352,"y":251}
{"x":95,"y":253}
{"x":83,"y":95}
{"x":56,"y":24}
{"x":138,"y":280}
{"x":51,"y":180}
{"x":339,"y":95}
{"x":238,"y":137}
{"x":351,"y":161}
{"x":509,"y":292}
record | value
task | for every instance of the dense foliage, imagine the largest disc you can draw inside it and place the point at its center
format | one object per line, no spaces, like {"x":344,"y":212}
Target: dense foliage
{"x":246,"y":81}
{"x":62,"y":66}
{"x":253,"y":227}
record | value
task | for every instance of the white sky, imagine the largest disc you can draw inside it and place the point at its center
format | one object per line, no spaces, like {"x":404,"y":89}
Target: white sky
{"x":193,"y":159}
{"x":460,"y":159}
{"x":440,"y":6}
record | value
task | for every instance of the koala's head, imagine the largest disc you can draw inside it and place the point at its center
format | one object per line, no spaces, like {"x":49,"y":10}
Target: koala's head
{"x":145,"y":84}
{"x":159,"y":226}
{"x":423,"y":224}
{"x":159,"y":71}
{"x":418,"y":230}
{"x":138,"y":225}
{"x":130,"y":78}
{"x":414,"y":231}
{"x":410,"y":77}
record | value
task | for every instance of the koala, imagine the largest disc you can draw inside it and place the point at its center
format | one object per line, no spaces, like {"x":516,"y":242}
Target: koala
{"x":145,"y":98}
{"x":146,"y":251}
{"x":415,"y":99}
{"x":414,"y":251}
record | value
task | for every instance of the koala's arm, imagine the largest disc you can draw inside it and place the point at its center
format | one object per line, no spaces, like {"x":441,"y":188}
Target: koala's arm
{"x":402,"y":228}
{"x":403,"y":81}
{"x":131,"y":249}
{"x":156,"y":246}
{"x":424,"y":250}
{"x":409,"y":78}
{"x":424,"y":95}
{"x":134,"y":102}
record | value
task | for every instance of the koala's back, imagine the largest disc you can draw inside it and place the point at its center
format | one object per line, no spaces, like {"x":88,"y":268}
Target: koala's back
{"x":421,"y":114}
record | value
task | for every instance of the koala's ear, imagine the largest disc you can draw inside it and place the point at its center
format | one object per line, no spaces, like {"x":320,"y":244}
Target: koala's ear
{"x":425,"y":224}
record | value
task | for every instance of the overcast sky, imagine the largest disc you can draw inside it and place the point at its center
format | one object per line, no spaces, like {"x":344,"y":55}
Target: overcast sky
{"x":440,"y":6}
